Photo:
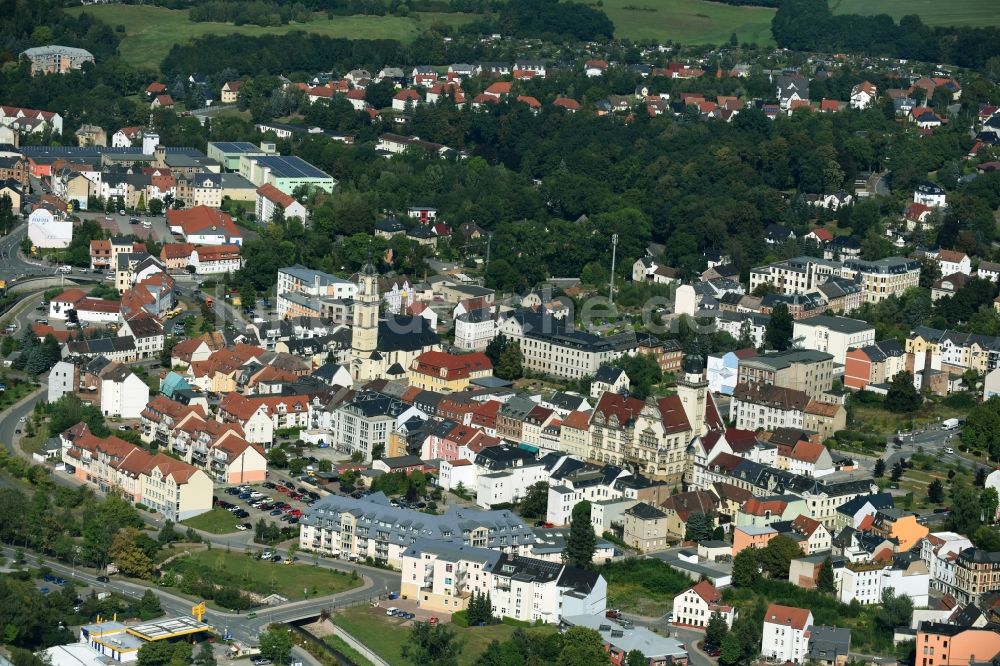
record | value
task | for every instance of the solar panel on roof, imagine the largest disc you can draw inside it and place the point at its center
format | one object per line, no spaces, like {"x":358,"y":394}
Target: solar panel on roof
{"x":290,"y":167}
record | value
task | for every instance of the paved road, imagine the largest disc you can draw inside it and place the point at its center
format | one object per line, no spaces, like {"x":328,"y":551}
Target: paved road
{"x":241,"y":627}
{"x":378,"y":582}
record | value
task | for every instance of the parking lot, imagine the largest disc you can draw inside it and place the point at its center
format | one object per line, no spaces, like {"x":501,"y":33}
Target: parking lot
{"x":119,"y":225}
{"x":281,"y":502}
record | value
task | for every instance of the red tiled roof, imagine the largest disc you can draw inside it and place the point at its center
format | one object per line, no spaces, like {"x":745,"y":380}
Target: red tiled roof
{"x":796,"y":618}
{"x":70,"y":296}
{"x":759,"y":507}
{"x":567,"y":103}
{"x":176,"y":251}
{"x":450,"y":366}
{"x":272,"y":193}
{"x":202,"y":219}
{"x":217,"y":252}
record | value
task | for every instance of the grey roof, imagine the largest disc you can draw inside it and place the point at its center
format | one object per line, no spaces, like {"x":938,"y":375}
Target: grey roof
{"x":839,"y":324}
{"x":608,"y":374}
{"x":406,"y":527}
{"x":644,"y":511}
{"x":453,"y":552}
{"x":566,"y":400}
{"x":782,"y":360}
{"x":235,"y":146}
{"x":405,"y":333}
{"x":827,"y":643}
{"x":652,"y":646}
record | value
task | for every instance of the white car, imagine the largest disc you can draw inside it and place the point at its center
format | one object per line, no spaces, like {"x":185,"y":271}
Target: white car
{"x":22,"y":419}
{"x":267,"y":555}
{"x":242,"y":528}
{"x":391,"y":610}
{"x":947,"y":449}
{"x":65,"y":269}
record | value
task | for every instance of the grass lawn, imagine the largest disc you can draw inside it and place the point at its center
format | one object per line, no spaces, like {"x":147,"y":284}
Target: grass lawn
{"x":247,"y":573}
{"x":689,"y":21}
{"x":343,"y":648}
{"x":868,"y":418}
{"x":151,"y":31}
{"x":635,"y":598}
{"x":387,"y":635}
{"x":973,"y":13}
{"x":216,"y":521}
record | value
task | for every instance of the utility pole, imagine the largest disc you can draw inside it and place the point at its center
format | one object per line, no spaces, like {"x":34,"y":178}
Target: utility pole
{"x":614,"y":253}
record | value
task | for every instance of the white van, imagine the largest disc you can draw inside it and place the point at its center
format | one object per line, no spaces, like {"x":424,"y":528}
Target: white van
{"x":65,"y":269}
{"x":949,"y":424}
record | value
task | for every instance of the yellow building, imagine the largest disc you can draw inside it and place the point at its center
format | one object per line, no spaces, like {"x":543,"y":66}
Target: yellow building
{"x":446,"y":373}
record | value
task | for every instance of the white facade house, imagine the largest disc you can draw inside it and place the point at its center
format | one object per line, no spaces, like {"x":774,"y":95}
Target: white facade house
{"x":785,"y":637}
{"x":930,"y":194}
{"x":939,"y":550}
{"x":475,"y":330}
{"x":443,"y":576}
{"x":47,"y":232}
{"x":833,"y":335}
{"x":695,"y":606}
{"x":508,"y":486}
{"x":453,"y":473}
{"x":866,"y":582}
{"x":123,"y":394}
{"x":954,"y":261}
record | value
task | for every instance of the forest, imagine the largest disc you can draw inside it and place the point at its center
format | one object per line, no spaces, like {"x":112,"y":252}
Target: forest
{"x":809,"y":25}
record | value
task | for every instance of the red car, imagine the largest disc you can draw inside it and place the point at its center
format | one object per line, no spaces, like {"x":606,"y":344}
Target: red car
{"x":281,"y":489}
{"x":296,"y":513}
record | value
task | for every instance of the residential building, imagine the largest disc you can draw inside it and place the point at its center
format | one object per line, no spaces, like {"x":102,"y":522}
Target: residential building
{"x":619,"y":641}
{"x":56,"y":59}
{"x":874,"y":364}
{"x":608,"y":379}
{"x":363,"y":425}
{"x":202,"y":225}
{"x":798,"y":275}
{"x":786,"y":634}
{"x":752,"y":536}
{"x":977,"y":572}
{"x":271,"y":200}
{"x":941,"y":644}
{"x":829,"y":646}
{"x":298,"y":279}
{"x":168,"y":486}
{"x":215,"y":259}
{"x":219,"y":449}
{"x":804,"y":370}
{"x":866,"y":581}
{"x":939,"y":551}
{"x":883,"y":278}
{"x":695,"y":606}
{"x":356,"y":529}
{"x":551,"y":347}
{"x":645,"y":528}
{"x":447,"y":373}
{"x":834,"y":335}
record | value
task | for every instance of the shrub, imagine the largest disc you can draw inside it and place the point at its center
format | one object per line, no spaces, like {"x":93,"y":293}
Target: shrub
{"x":460,"y":619}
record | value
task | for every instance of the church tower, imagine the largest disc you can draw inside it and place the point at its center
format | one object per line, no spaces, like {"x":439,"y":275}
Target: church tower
{"x":693,"y":392}
{"x":365,"y":359}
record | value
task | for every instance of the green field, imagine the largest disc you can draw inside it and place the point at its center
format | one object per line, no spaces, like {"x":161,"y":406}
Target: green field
{"x":216,"y":521}
{"x":959,"y":12}
{"x":151,"y":31}
{"x":239,"y":570}
{"x":689,"y":21}
{"x":387,"y":635}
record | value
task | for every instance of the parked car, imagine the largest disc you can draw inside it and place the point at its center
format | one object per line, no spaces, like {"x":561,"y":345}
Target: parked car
{"x":242,"y":528}
{"x":391,"y":611}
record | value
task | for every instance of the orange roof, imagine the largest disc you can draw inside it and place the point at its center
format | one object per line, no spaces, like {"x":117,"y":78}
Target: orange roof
{"x":499,"y":88}
{"x":807,"y":451}
{"x":530,"y":101}
{"x":272,"y":193}
{"x":797,"y":618}
{"x":70,"y":296}
{"x":577,"y":420}
{"x":822,"y":234}
{"x":567,"y":103}
{"x":866,"y":523}
{"x":450,"y":366}
{"x":805,"y":525}
{"x":201,"y":219}
{"x":707,"y":591}
{"x":822,"y":408}
{"x":953,"y":256}
{"x":217,"y":252}
{"x":176,"y":251}
{"x":758,"y":507}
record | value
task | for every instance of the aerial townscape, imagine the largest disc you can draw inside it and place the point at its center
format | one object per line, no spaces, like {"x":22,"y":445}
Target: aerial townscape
{"x":499,"y":333}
